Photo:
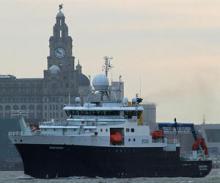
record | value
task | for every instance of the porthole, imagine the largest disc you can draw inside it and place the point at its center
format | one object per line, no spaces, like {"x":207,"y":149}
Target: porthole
{"x":129,"y":140}
{"x":101,"y":130}
{"x":134,"y":139}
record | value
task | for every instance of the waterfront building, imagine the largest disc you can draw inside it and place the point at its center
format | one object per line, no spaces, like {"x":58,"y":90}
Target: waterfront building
{"x":43,"y":98}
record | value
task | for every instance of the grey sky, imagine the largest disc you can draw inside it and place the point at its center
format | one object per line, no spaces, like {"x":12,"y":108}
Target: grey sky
{"x":172,"y":46}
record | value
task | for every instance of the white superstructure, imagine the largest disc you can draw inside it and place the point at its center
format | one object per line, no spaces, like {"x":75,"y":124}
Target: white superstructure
{"x":102,"y":121}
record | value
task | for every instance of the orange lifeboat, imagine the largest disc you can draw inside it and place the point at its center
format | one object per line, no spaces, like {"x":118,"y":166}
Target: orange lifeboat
{"x":157,"y":134}
{"x":200,"y":142}
{"x":116,"y":138}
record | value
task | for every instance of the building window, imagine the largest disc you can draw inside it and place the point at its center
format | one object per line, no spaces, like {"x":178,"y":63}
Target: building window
{"x":7,"y":107}
{"x":127,"y":129}
{"x":39,"y":107}
{"x":132,"y":129}
{"x":31,"y":115}
{"x":15,"y":107}
{"x":23,"y":107}
{"x":31,"y":107}
{"x":39,"y":115}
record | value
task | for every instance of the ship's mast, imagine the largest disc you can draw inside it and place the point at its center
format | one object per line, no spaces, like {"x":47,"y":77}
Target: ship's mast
{"x":107,"y":65}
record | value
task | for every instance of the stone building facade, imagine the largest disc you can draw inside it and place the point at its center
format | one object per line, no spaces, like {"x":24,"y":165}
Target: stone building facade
{"x":43,"y":98}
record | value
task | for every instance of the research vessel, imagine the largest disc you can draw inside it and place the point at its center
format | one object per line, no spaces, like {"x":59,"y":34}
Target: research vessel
{"x":106,"y":137}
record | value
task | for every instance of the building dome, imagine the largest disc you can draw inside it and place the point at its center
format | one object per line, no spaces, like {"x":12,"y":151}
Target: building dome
{"x":60,"y":14}
{"x":54,"y":69}
{"x":83,"y":80}
{"x":100,"y":82}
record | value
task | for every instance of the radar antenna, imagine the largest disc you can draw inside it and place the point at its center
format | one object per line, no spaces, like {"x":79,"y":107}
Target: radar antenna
{"x":107,"y":66}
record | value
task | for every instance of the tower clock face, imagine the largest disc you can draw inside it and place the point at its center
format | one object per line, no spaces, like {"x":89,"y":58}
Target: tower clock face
{"x":59,"y":52}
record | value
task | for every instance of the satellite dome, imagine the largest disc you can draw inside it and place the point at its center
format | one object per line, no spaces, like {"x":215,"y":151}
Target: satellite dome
{"x":54,"y":69}
{"x":100,"y":82}
{"x":77,"y":100}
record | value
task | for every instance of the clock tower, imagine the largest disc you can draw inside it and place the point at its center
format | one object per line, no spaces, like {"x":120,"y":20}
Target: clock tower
{"x":61,"y":77}
{"x":60,"y":45}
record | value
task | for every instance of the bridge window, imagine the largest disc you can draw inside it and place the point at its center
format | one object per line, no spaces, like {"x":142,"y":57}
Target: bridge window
{"x":130,"y":114}
{"x":93,"y":113}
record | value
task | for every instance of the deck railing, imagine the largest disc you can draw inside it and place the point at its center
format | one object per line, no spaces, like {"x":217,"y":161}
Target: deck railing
{"x":17,"y":133}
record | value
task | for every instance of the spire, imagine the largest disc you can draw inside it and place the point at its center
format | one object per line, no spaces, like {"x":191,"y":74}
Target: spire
{"x":60,"y":13}
{"x":79,"y":67}
{"x":60,"y":28}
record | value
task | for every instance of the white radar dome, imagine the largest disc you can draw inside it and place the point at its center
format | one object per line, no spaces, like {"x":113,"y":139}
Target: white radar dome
{"x":100,"y":82}
{"x":77,"y":100}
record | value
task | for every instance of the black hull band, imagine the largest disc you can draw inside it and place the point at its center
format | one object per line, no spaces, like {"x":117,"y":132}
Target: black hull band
{"x":50,"y":161}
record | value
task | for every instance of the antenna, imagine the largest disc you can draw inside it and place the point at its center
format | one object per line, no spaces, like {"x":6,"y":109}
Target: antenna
{"x":203,"y":119}
{"x":120,"y":78}
{"x":107,"y":65}
{"x":140,"y":86}
{"x":69,"y":98}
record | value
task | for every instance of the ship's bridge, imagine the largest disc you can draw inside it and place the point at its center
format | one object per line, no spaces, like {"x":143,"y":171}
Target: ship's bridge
{"x":107,"y":110}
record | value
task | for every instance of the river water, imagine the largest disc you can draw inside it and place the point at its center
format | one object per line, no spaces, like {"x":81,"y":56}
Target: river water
{"x":19,"y":177}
